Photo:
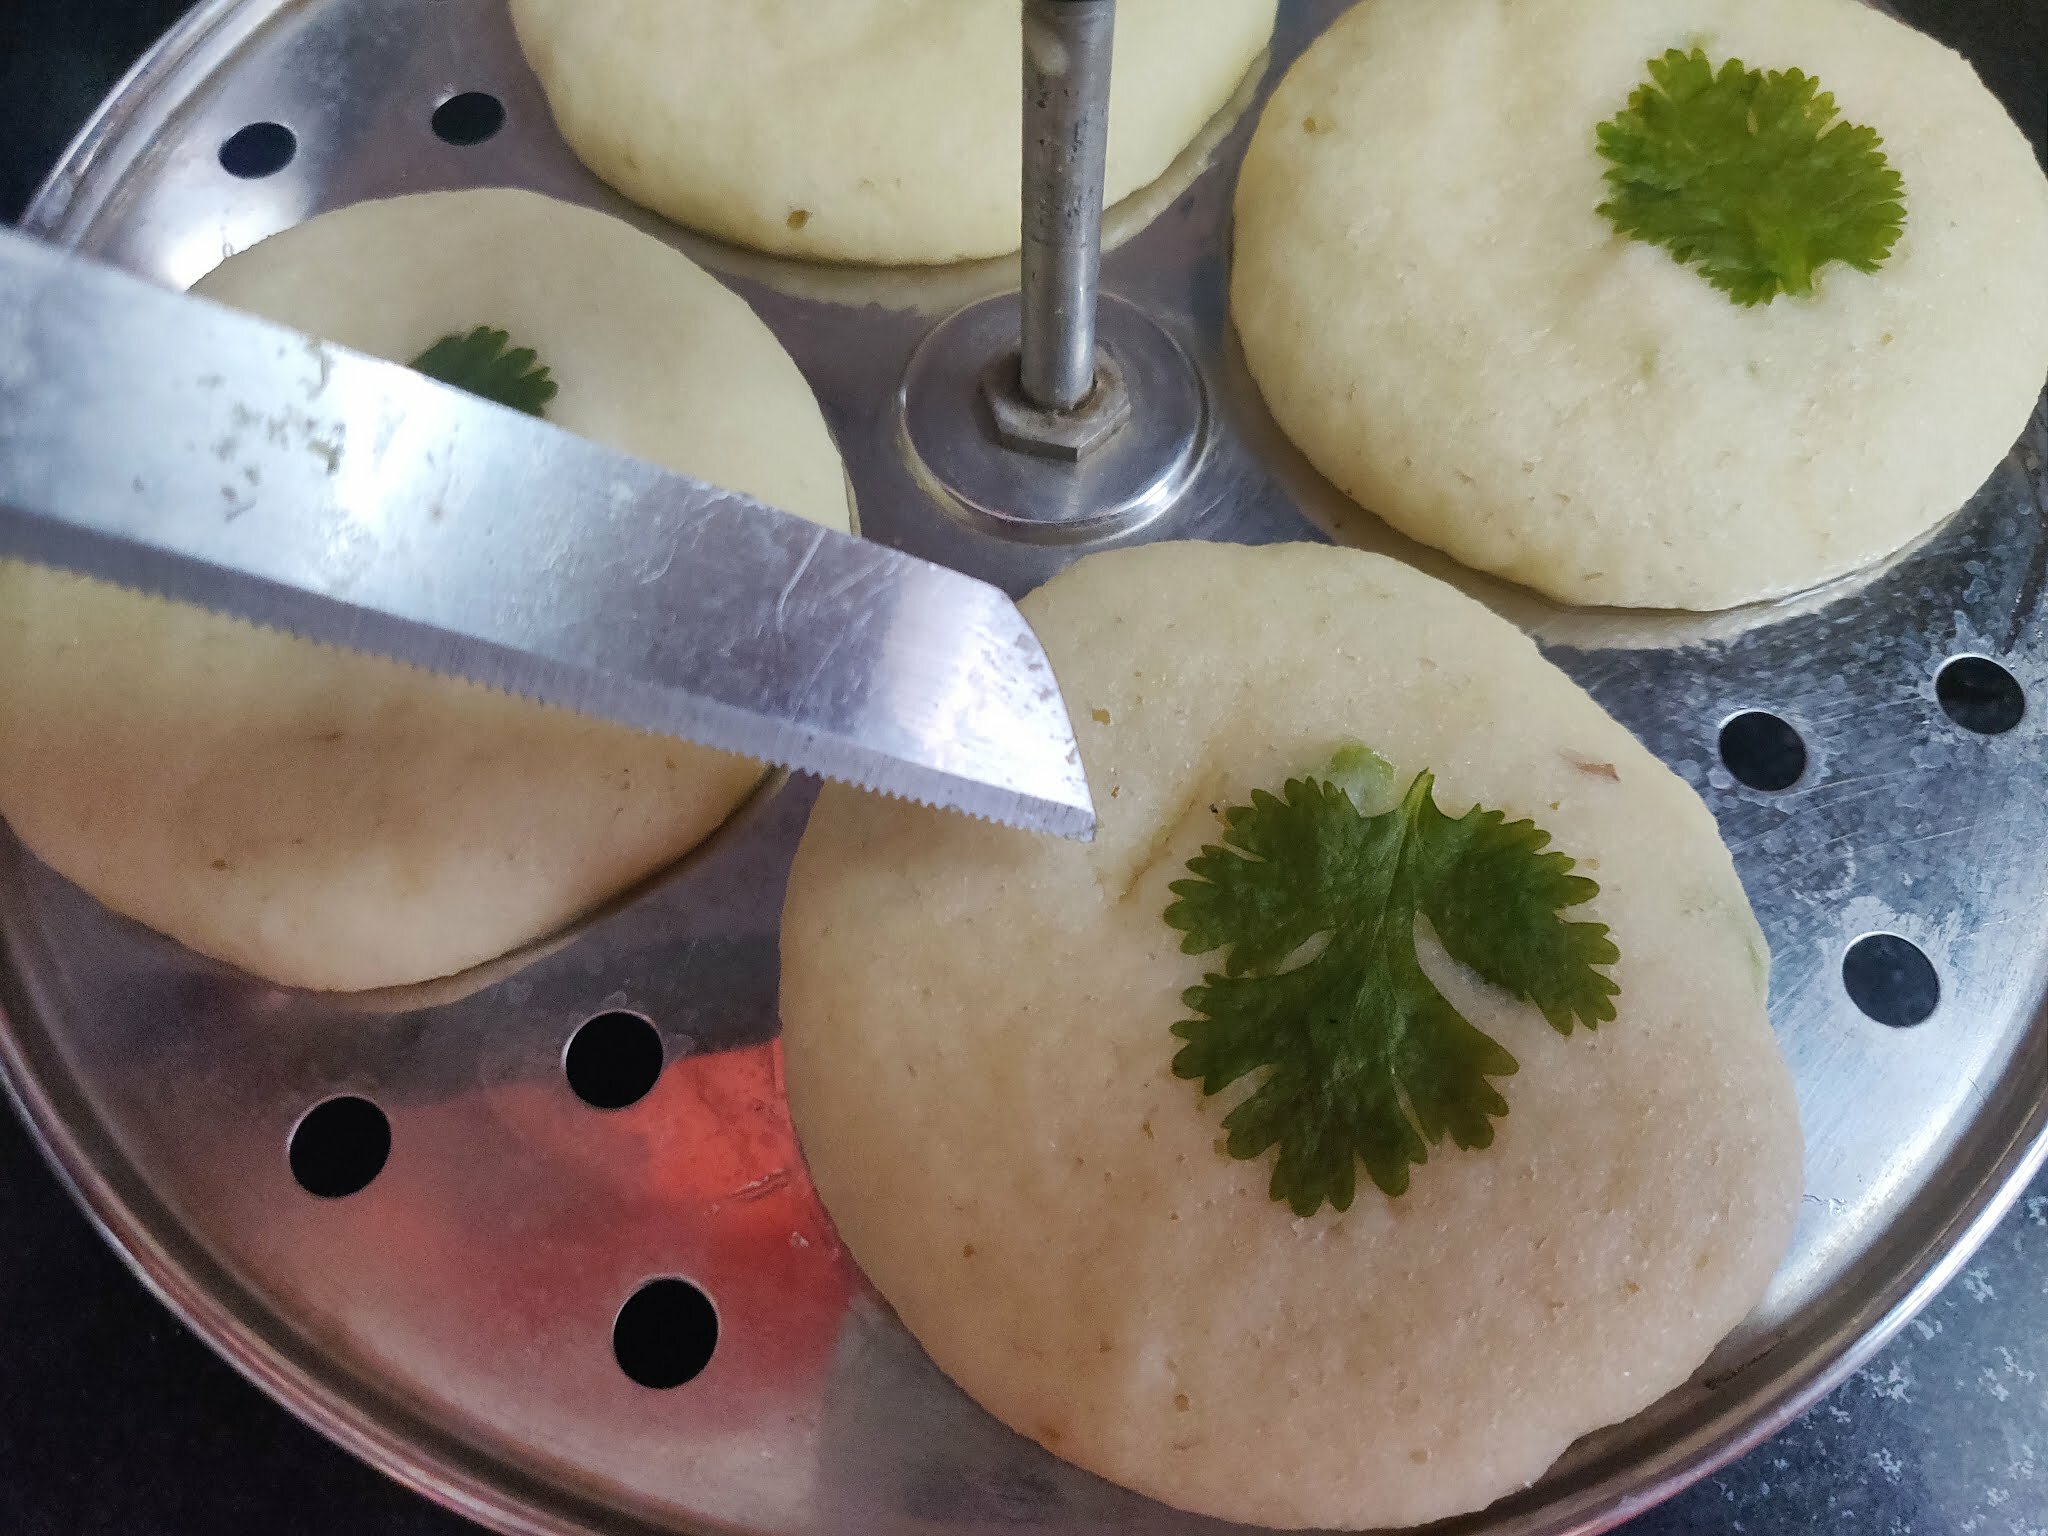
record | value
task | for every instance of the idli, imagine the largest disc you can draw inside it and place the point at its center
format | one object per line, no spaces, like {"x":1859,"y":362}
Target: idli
{"x":336,"y":821}
{"x":879,"y":131}
{"x":987,"y":1034}
{"x":1442,"y":318}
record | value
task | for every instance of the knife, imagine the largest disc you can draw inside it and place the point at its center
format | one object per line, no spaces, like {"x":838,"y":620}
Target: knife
{"x":194,"y":453}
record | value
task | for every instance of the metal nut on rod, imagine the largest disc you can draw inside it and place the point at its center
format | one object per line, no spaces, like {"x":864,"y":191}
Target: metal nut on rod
{"x":1068,"y":436}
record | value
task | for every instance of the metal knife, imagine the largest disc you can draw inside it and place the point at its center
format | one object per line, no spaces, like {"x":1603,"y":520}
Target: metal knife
{"x":185,"y":450}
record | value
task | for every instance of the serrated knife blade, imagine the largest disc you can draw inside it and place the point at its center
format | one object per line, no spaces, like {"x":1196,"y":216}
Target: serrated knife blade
{"x":185,"y":450}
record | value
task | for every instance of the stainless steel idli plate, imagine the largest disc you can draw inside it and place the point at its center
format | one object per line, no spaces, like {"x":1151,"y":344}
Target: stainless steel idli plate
{"x":453,"y":1321}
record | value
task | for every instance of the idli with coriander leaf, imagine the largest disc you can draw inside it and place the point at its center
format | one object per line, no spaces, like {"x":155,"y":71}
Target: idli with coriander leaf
{"x":875,"y":131}
{"x":1394,"y":1059}
{"x":1656,"y":303}
{"x":335,"y":821}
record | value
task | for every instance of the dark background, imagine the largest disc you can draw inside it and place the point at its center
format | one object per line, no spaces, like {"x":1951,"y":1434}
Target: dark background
{"x":113,"y":1418}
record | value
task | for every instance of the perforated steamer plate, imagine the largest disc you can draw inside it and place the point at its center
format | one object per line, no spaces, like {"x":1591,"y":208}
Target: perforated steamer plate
{"x":453,"y":1321}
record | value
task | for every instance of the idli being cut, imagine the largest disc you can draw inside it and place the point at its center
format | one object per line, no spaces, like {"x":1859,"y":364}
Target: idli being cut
{"x":1384,"y":1099}
{"x":877,"y":131}
{"x":1653,"y":303}
{"x":336,"y":821}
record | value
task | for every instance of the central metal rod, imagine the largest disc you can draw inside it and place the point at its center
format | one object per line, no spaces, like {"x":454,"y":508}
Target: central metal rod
{"x":1066,"y":141}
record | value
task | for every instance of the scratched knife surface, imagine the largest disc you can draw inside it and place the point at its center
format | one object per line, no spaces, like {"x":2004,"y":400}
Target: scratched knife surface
{"x":184,"y":450}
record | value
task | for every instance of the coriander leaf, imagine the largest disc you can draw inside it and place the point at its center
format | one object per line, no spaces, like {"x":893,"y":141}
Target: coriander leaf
{"x":481,"y":363}
{"x":1364,"y":1060}
{"x":1494,"y":910}
{"x":1364,"y":775}
{"x":1750,"y":177}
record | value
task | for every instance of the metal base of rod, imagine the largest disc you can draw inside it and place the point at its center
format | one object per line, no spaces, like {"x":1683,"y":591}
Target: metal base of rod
{"x":1118,"y":462}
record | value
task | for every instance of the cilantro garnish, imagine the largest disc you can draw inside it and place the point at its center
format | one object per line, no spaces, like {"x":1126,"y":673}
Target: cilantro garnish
{"x":1363,"y":1059}
{"x":485,"y":363}
{"x":1749,"y":177}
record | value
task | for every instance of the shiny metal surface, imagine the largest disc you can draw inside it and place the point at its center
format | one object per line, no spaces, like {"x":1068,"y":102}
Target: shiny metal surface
{"x":1066,"y":143}
{"x":450,"y":1321}
{"x":198,"y":454}
{"x":955,"y":449}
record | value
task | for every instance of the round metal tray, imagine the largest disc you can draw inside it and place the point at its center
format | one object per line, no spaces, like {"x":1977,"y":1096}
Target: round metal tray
{"x":452,"y":1322}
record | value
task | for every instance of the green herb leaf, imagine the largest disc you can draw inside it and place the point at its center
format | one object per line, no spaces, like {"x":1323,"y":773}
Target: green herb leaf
{"x":1749,"y":177}
{"x":1364,"y":775}
{"x":485,"y":363}
{"x":1364,"y":1060}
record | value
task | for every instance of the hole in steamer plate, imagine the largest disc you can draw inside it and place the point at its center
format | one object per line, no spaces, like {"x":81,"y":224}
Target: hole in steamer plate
{"x":1891,"y":980}
{"x":339,"y":1146}
{"x":468,"y":119}
{"x":665,"y":1334}
{"x":614,"y":1060}
{"x":1980,"y":695}
{"x":1763,"y":751}
{"x":259,"y":150}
